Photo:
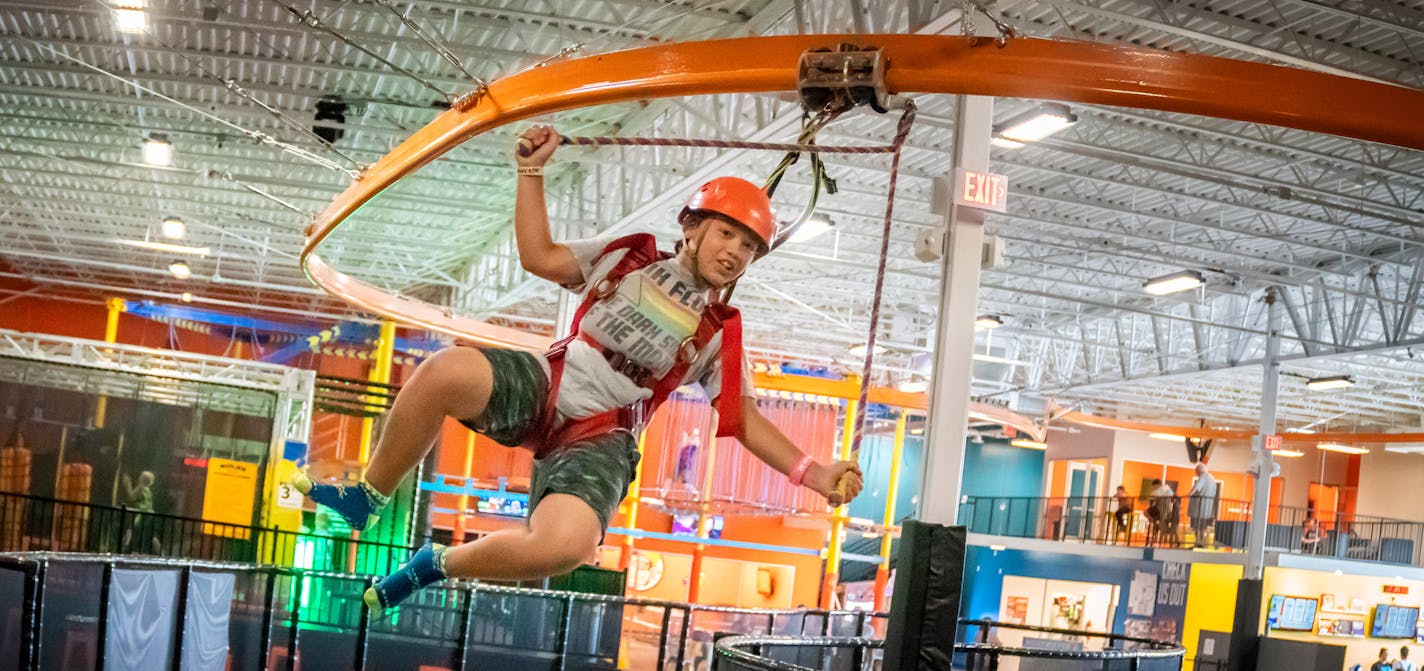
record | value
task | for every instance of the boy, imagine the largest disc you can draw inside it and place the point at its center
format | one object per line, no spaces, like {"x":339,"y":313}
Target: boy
{"x":646,"y":326}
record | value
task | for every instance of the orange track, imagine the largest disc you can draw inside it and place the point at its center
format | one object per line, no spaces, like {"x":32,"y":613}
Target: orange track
{"x":1025,"y":68}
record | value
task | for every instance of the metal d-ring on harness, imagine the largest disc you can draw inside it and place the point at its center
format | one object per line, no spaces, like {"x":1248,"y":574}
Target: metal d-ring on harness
{"x":832,"y":81}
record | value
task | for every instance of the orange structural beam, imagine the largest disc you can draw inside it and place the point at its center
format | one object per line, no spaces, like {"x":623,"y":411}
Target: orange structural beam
{"x":1026,"y":68}
{"x":849,"y":389}
{"x":1236,"y":434}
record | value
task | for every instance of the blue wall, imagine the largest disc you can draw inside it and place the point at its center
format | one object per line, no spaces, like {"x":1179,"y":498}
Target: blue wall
{"x":984,"y":571}
{"x":996,"y":468}
{"x":875,"y":453}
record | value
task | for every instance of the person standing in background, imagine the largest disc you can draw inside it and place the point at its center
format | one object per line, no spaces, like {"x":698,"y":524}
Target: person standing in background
{"x":1201,"y":506}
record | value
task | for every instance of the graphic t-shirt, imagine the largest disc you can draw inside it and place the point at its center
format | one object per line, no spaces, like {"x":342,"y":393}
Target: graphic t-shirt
{"x":646,"y":320}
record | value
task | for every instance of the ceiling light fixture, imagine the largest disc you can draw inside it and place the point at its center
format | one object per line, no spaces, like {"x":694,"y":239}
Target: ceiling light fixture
{"x":187,"y":297}
{"x":173,"y":228}
{"x":1168,"y":436}
{"x":1029,"y":444}
{"x":914,"y":386}
{"x":158,"y":151}
{"x":180,"y":270}
{"x":1342,"y":449}
{"x":130,"y":18}
{"x":1288,"y":453}
{"x":859,"y":350}
{"x":812,"y":228}
{"x":1329,"y":382}
{"x":987,"y":322}
{"x":1173,"y":283}
{"x":1035,"y":124}
{"x":167,"y":247}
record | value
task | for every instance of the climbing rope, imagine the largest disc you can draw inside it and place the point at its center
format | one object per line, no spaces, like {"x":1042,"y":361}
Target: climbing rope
{"x":901,"y":133}
{"x":804,"y":144}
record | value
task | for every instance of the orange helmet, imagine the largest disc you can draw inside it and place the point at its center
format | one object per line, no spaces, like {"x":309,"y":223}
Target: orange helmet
{"x":738,"y":200}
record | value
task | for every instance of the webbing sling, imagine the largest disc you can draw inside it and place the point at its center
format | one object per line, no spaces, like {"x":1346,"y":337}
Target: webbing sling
{"x":642,"y":251}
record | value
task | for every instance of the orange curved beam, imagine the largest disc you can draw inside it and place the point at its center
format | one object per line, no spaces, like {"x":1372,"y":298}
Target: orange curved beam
{"x":1236,"y":434}
{"x":1026,"y":68}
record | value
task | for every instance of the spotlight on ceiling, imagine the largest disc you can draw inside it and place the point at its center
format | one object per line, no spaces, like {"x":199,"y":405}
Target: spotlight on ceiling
{"x":1173,"y":283}
{"x":158,"y":151}
{"x":812,"y":228}
{"x":1329,"y":382}
{"x":1033,"y":125}
{"x":180,"y":270}
{"x":1342,"y":449}
{"x":1168,"y":436}
{"x":987,"y":322}
{"x":130,"y":18}
{"x":187,"y":297}
{"x":859,"y":350}
{"x":173,"y":228}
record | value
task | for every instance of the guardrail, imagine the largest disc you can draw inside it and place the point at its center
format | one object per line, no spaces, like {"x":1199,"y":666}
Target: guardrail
{"x":780,"y":653}
{"x":1181,"y":522}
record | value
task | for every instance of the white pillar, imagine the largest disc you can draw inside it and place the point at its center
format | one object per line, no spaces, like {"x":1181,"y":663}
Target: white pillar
{"x":954,"y":333}
{"x":1261,"y":498}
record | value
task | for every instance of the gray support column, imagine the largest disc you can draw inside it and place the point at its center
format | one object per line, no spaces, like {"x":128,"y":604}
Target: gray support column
{"x":1245,"y":630}
{"x":1261,"y":498}
{"x":954,"y":333}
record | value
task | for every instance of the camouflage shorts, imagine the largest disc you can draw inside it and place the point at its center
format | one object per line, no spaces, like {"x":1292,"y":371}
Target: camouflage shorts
{"x":597,"y":470}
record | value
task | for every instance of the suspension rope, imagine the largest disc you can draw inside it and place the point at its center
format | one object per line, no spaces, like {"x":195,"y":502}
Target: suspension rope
{"x":902,"y":131}
{"x":232,"y":85}
{"x":256,"y":135}
{"x":313,"y":21}
{"x":722,"y":144}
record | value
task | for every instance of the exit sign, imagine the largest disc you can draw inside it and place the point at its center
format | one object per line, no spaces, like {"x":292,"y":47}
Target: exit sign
{"x":1396,"y":589}
{"x":983,"y":190}
{"x":1274,"y":441}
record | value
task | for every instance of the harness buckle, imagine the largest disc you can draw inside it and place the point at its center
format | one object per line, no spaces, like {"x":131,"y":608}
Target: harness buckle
{"x":687,"y":350}
{"x":606,"y":287}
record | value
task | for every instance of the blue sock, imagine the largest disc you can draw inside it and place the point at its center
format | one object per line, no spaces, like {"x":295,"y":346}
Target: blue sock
{"x":425,"y":567}
{"x":358,"y":504}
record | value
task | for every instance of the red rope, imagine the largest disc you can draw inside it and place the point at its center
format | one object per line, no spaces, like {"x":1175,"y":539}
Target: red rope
{"x":725,"y":144}
{"x":901,"y":132}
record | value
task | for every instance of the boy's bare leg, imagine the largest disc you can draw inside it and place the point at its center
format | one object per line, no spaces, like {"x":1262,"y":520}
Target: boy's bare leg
{"x":454,"y":382}
{"x":562,"y":533}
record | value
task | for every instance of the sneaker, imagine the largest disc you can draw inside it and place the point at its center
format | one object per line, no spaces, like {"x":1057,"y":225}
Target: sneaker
{"x":358,"y":504}
{"x":425,"y":567}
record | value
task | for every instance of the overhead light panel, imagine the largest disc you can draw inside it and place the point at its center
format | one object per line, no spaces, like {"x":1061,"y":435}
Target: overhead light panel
{"x":859,"y":350}
{"x":1036,"y":124}
{"x":1168,"y":436}
{"x":1173,"y":283}
{"x":1004,"y":143}
{"x":987,"y":322}
{"x":167,"y":247}
{"x":1342,"y":449}
{"x":815,"y":227}
{"x":130,"y":18}
{"x":914,"y":386}
{"x":180,"y":270}
{"x":1029,"y":444}
{"x":1330,"y":382}
{"x":173,"y":228}
{"x":187,"y":297}
{"x":158,"y":151}
{"x":1287,"y":453}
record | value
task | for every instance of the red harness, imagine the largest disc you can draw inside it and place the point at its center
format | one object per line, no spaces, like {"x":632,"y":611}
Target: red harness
{"x":642,"y":251}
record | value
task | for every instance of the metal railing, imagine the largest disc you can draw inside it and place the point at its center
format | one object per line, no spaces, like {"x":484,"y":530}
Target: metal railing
{"x":1174,"y":522}
{"x":35,"y":523}
{"x":780,"y":653}
{"x":282,"y":618}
